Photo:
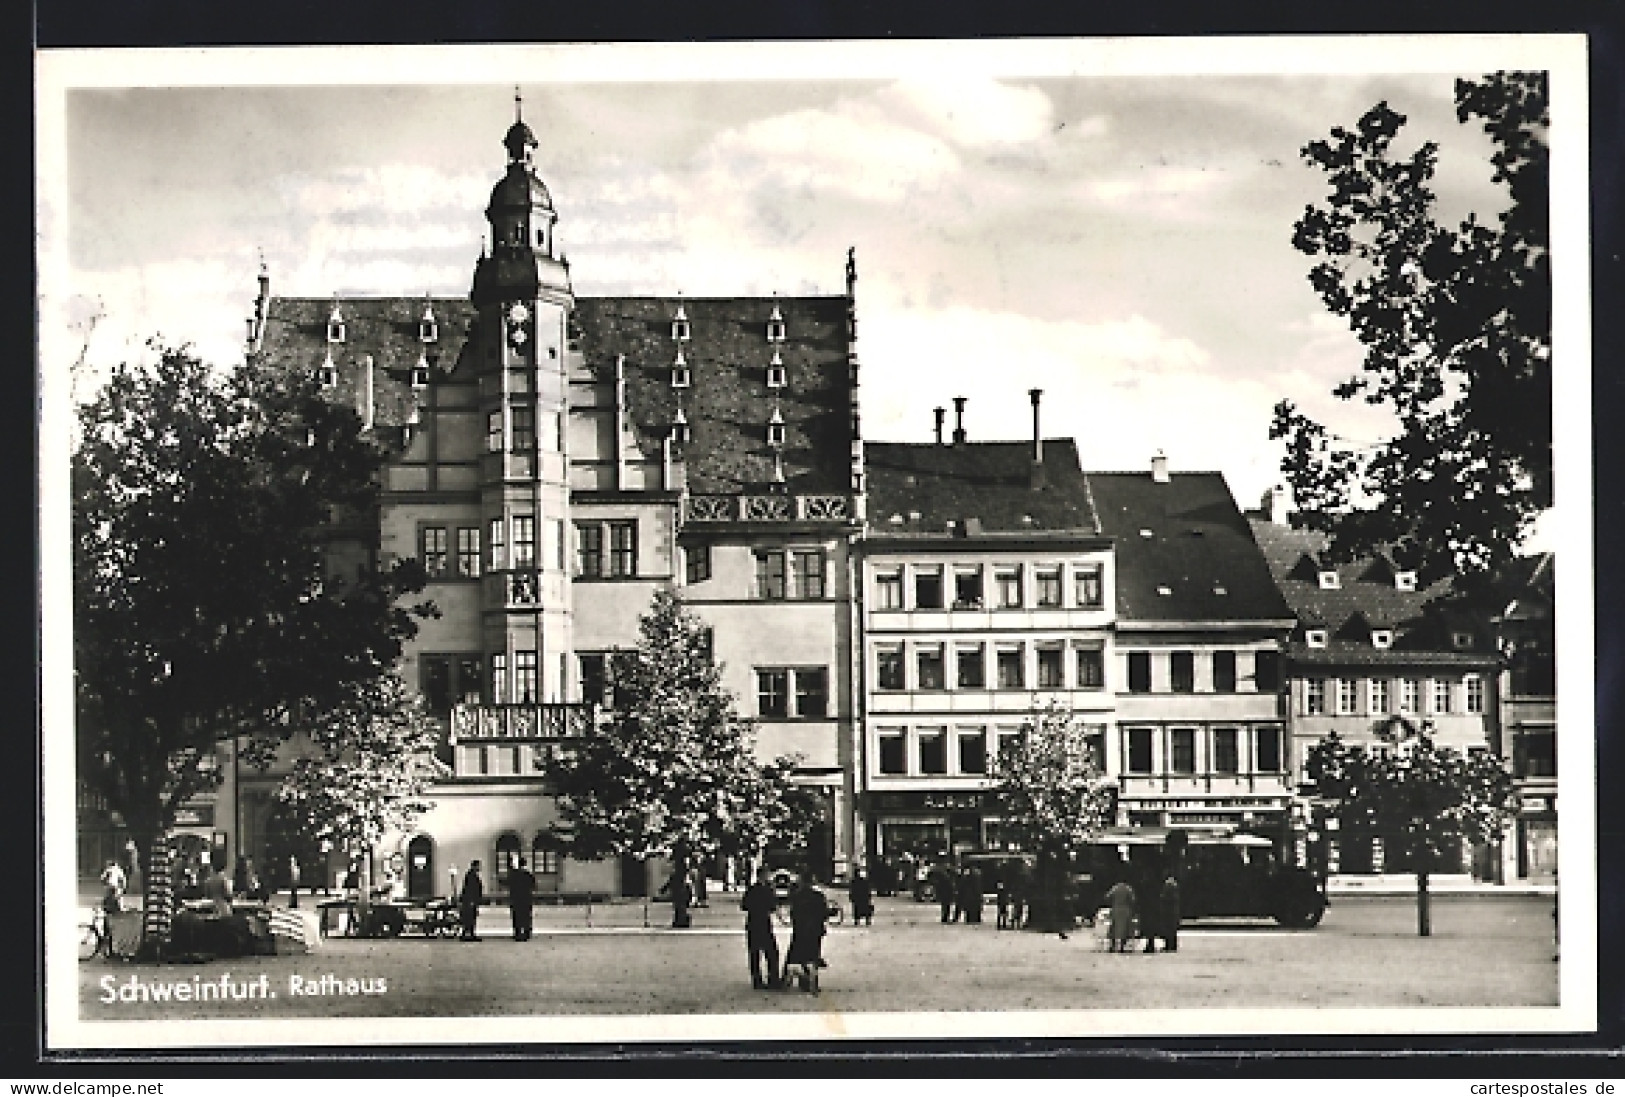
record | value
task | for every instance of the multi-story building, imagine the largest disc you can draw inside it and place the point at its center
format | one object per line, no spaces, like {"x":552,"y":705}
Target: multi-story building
{"x":1526,"y":636}
{"x":1200,"y":736}
{"x":1369,"y":644}
{"x":986,"y":594}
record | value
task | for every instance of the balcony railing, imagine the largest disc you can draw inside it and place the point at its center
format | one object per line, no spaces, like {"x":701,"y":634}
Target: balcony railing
{"x":542,"y":720}
{"x":518,"y":588}
{"x":768,"y":508}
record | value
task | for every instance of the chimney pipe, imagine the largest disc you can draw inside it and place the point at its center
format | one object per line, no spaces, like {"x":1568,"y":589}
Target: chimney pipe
{"x":941,"y":414}
{"x":1159,"y":467}
{"x":1275,"y":505}
{"x":959,"y":419}
{"x":1035,"y":474}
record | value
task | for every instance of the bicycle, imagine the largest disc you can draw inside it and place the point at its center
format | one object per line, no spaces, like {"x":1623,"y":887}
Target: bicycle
{"x":96,"y":937}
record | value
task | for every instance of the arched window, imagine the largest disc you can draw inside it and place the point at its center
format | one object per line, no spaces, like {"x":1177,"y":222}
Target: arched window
{"x":507,"y":856}
{"x":545,"y":854}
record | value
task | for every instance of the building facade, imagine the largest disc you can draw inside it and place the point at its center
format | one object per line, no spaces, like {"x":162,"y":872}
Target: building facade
{"x":1526,"y":636}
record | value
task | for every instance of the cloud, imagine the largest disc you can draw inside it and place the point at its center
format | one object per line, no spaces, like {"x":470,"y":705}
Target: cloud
{"x":971,"y":112}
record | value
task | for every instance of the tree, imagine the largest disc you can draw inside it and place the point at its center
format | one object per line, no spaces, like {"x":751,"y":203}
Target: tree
{"x":204,"y":608}
{"x":373,"y":762}
{"x":670,"y":772}
{"x":1422,"y":797}
{"x":1053,"y":795}
{"x":1457,"y":329}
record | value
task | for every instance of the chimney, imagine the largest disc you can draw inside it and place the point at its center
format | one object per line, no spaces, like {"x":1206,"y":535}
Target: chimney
{"x":941,"y":414}
{"x":1275,"y":505}
{"x":1035,"y":476}
{"x":367,"y":395}
{"x":1159,"y":467}
{"x":959,"y":419}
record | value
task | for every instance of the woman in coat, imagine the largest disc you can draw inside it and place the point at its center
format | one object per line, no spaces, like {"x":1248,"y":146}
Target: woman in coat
{"x":808,"y":910}
{"x":1120,"y":900}
{"x":863,"y":899}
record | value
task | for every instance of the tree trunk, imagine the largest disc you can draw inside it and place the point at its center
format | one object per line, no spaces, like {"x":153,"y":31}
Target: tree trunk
{"x":158,"y":897}
{"x":680,"y":918}
{"x":1424,"y":924}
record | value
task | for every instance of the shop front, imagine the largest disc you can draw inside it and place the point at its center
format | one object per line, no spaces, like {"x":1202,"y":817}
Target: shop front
{"x":1268,"y":816}
{"x":931,"y":825}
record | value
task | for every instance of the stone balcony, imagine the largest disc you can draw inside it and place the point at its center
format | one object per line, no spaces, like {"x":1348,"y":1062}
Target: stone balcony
{"x":509,"y":723}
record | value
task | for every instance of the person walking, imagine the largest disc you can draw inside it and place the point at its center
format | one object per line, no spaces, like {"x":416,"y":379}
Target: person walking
{"x":469,"y":900}
{"x":862,"y":895}
{"x":1001,"y":897}
{"x":521,"y":899}
{"x":1168,"y":913}
{"x":759,"y":903}
{"x":970,"y":896}
{"x":113,"y":885}
{"x":808,"y":911}
{"x":943,"y":884}
{"x":1148,"y":898}
{"x":1119,"y":901}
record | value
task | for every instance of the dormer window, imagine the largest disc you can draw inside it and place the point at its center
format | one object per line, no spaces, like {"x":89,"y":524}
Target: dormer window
{"x":680,"y":378}
{"x":679,"y":427}
{"x":1329,"y":580}
{"x":1315,"y":637}
{"x":335,"y":326}
{"x":1461,"y":640}
{"x":327,"y":373}
{"x":420,"y":374}
{"x":775,"y":326}
{"x":1165,"y":591}
{"x":1404,"y":580}
{"x":775,"y":371}
{"x":775,"y":429}
{"x":428,"y":330}
{"x":679,"y":325}
{"x":1382,"y":639}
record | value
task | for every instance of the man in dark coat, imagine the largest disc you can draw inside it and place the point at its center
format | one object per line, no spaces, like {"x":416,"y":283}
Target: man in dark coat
{"x":1168,"y":913}
{"x":970,"y":895}
{"x":863,"y":898}
{"x":943,"y":883}
{"x":468,"y":902}
{"x":1148,"y":892}
{"x":759,"y":903}
{"x":521,"y":899}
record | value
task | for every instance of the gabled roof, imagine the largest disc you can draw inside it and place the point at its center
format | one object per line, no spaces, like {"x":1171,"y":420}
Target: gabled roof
{"x":728,"y":404}
{"x":981,"y":486}
{"x":1188,"y":538}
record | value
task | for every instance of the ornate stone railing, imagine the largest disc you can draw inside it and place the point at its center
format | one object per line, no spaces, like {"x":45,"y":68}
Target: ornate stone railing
{"x":517,"y":588}
{"x":767,"y":508}
{"x":543,"y":720}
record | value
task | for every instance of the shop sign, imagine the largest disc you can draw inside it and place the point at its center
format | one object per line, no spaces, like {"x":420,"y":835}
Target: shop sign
{"x":1233,"y":804}
{"x":929,"y":801}
{"x":198,"y":815}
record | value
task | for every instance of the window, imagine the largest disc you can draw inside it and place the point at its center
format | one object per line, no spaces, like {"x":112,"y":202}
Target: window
{"x":1475,"y":694}
{"x":775,"y":327}
{"x":972,"y":668}
{"x":812,"y":691}
{"x":493,"y":432}
{"x":434,"y":682}
{"x":928,"y":660}
{"x":498,"y":549}
{"x":679,"y":325}
{"x":773,"y":692}
{"x":593,"y":667}
{"x":1139,"y":750}
{"x":1182,"y":671}
{"x":468,"y":553}
{"x":775,"y":431}
{"x":891,"y":753}
{"x":1441,"y":695}
{"x":1534,"y":753}
{"x":1267,"y":671}
{"x":973,"y":750}
{"x":1410,"y":696}
{"x":679,"y":429}
{"x":1182,"y":750}
{"x":1139,"y":672}
{"x":499,"y":679}
{"x":697,"y":563}
{"x":1010,"y":740}
{"x":623,"y":549}
{"x":434,"y":550}
{"x":1091,"y":668}
{"x":680,"y":376}
{"x":1224,"y":672}
{"x":524,"y":541}
{"x":468,"y":686}
{"x":889,"y":590}
{"x":328,"y":375}
{"x":775,"y":373}
{"x":1226,"y":758}
{"x":1314,"y":697}
{"x":1404,"y":580}
{"x":1087,"y":586}
{"x":1008,"y":581}
{"x":1380,"y":699}
{"x":589,"y":549}
{"x":1382,"y":638}
{"x":1329,"y":580}
{"x":933,"y":751}
{"x":889,"y":667}
{"x":1269,"y":750}
{"x":1315,"y":637}
{"x":525,"y":686}
{"x":968,"y":588}
{"x":1047,"y":586}
{"x":1051,"y":667}
{"x":1010,"y":666}
{"x":809,"y":574}
{"x":420,"y":375}
{"x":1346,"y":697}
{"x":928,"y":588}
{"x":1094,"y":741}
{"x":770,"y":575}
{"x":546,"y":860}
{"x":1461,"y":641}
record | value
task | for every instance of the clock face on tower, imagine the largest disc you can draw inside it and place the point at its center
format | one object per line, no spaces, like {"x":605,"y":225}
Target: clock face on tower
{"x":518,"y":313}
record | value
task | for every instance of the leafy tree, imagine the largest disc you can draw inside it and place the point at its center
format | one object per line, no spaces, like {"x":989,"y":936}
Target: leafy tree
{"x":373,"y":762}
{"x":1424,"y":798}
{"x":203,"y":604}
{"x":1054,"y":797}
{"x":670,"y":771}
{"x":1457,"y":329}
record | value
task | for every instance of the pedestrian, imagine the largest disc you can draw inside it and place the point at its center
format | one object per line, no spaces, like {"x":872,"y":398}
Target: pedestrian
{"x":1001,"y":897}
{"x":521,"y":899}
{"x":469,"y":900}
{"x":293,"y":882}
{"x":1119,"y":900}
{"x":699,"y":887}
{"x":1168,"y":913}
{"x":970,"y":896}
{"x":1148,"y":896}
{"x":113,"y":885}
{"x":863,"y":898}
{"x":217,"y":889}
{"x":759,"y":903}
{"x":808,"y":911}
{"x":1018,"y":898}
{"x":943,"y":884}
{"x":682,"y":896}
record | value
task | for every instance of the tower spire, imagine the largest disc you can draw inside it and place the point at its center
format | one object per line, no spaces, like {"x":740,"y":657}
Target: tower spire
{"x":518,"y":105}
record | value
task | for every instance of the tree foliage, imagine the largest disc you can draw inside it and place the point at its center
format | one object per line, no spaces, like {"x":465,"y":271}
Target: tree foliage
{"x":204,"y":607}
{"x":1425,"y":797}
{"x":671,"y":770}
{"x":1049,"y":787}
{"x":1456,"y":324}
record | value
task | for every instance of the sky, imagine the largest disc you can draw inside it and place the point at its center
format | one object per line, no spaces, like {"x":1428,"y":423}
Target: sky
{"x":1121,"y":240}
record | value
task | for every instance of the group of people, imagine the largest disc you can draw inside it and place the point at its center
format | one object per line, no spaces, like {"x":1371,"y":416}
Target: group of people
{"x":1152,"y":910}
{"x":809,"y":910}
{"x":960,"y":895}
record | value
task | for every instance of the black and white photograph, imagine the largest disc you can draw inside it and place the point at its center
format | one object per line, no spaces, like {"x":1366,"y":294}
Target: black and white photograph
{"x":816,"y":541}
